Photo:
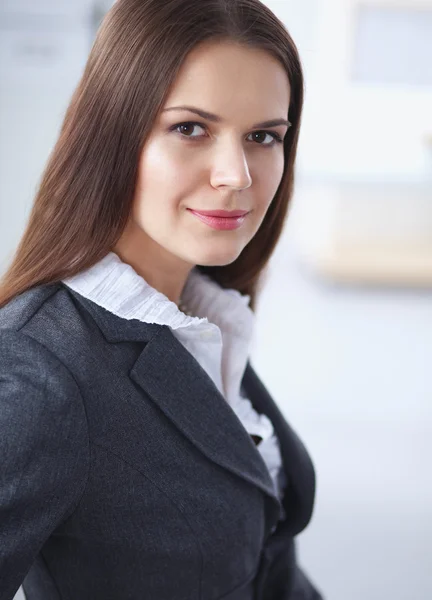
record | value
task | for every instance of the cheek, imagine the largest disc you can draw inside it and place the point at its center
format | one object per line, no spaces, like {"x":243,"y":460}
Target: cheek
{"x":271,"y":176}
{"x":164,"y":179}
{"x":159,"y":169}
{"x":275,"y":172}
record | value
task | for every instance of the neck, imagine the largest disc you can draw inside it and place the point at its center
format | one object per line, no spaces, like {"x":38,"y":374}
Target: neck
{"x":160,"y":269}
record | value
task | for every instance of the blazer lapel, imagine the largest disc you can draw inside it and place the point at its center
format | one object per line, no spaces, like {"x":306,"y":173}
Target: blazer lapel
{"x":175,"y":381}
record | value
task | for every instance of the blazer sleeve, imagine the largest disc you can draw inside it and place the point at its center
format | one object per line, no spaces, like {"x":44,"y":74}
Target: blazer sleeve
{"x":43,"y":452}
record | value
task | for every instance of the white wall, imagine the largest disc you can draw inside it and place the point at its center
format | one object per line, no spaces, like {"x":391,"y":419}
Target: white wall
{"x":350,"y":370}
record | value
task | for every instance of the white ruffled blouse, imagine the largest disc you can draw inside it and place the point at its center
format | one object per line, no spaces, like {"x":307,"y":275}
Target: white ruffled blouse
{"x":218,"y":336}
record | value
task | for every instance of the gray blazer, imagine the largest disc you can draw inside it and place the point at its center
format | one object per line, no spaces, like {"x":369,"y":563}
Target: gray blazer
{"x":124,"y":473}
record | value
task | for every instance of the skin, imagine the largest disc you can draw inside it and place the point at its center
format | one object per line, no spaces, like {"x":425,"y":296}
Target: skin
{"x":229,"y":165}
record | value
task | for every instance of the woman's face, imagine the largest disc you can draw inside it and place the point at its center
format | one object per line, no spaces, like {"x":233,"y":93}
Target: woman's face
{"x":229,"y":162}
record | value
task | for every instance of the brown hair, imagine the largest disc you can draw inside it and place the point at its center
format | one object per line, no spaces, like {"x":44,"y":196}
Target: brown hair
{"x":86,"y":192}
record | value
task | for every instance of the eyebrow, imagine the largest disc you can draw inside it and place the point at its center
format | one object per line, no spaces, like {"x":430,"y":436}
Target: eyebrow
{"x":216,"y":119}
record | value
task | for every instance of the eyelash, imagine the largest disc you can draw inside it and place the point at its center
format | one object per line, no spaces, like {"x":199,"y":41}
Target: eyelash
{"x":277,"y":138}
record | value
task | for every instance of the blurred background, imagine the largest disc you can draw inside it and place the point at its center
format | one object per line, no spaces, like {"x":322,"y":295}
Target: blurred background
{"x":344,"y":328}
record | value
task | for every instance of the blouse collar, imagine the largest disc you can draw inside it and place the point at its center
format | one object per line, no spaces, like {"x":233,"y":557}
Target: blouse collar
{"x":117,"y":287}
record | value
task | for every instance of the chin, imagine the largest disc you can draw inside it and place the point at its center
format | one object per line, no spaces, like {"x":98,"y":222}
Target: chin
{"x":217,"y":260}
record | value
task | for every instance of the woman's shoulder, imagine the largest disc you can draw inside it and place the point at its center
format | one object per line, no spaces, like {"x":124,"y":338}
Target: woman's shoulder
{"x":25,"y":306}
{"x":45,"y":316}
{"x":34,"y":377}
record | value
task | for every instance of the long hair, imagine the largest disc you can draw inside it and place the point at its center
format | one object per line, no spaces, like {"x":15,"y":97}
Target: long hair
{"x":86,"y":191}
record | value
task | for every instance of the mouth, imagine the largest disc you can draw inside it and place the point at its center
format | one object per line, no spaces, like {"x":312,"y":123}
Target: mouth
{"x":221,"y":213}
{"x":221,"y":219}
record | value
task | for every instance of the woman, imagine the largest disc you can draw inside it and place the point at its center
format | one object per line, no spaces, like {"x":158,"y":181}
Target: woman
{"x":144,"y":457}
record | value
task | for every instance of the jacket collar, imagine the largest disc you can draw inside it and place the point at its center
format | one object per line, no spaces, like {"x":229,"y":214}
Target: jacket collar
{"x":221,"y":314}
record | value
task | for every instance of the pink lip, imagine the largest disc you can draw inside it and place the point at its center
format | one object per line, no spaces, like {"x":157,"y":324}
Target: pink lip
{"x":221,"y":219}
{"x":221,"y":213}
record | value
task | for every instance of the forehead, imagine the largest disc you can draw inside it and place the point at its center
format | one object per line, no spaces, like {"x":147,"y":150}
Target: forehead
{"x":232,"y":80}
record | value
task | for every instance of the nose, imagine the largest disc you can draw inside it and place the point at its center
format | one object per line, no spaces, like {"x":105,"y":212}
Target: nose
{"x":230,"y":168}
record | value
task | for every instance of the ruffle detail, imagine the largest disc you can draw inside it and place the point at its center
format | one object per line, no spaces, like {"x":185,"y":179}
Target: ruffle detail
{"x":116,"y":286}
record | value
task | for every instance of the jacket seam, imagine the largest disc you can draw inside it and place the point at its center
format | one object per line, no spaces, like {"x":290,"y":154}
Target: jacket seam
{"x":195,"y":536}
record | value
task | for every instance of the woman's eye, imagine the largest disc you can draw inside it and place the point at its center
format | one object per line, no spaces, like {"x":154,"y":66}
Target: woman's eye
{"x":183,"y":128}
{"x":275,"y":137}
{"x":186,"y":126}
